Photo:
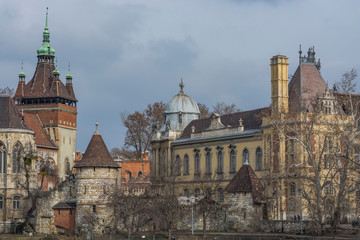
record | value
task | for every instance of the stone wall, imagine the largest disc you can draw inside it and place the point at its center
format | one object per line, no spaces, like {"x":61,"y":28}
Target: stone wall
{"x":287,"y":226}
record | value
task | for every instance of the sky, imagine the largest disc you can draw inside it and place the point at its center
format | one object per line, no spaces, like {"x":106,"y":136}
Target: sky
{"x":125,"y":55}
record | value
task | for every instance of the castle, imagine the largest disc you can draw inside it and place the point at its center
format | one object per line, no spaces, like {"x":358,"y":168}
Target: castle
{"x":259,"y":160}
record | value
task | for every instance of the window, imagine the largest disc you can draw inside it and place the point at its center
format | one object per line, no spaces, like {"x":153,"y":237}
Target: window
{"x":16,"y":156}
{"x":292,"y":189}
{"x":232,"y":161}
{"x":139,"y":174}
{"x":2,"y":158}
{"x":16,"y":202}
{"x":186,"y":164}
{"x":246,"y":156}
{"x":70,"y":211}
{"x":104,"y":189}
{"x":291,"y":151}
{"x":84,"y":189}
{"x":197,"y":192}
{"x":186,"y":192}
{"x":94,"y":208}
{"x":208,"y":162}
{"x":197,"y":163}
{"x":220,"y":158}
{"x":259,"y":161}
{"x":1,"y":202}
{"x":163,"y":163}
{"x":328,"y":188}
{"x":177,"y":165}
{"x":220,"y":195}
{"x":58,"y":211}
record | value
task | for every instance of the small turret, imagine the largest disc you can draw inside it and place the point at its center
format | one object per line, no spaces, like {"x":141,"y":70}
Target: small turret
{"x":21,"y":85}
{"x":68,"y":78}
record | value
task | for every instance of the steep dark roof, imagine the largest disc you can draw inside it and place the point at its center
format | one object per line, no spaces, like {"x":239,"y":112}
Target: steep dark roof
{"x":65,"y":205}
{"x":305,"y":86}
{"x":43,"y":85}
{"x":9,"y":115}
{"x":97,"y":154}
{"x":251,"y":120}
{"x":246,"y":181}
{"x":42,"y":139}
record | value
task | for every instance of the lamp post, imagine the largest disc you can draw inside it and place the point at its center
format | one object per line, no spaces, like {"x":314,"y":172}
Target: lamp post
{"x":282,"y":220}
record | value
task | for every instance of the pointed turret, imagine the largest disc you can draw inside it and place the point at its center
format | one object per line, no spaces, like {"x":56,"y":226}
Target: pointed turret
{"x":97,"y":154}
{"x":21,"y":84}
{"x":46,"y":53}
{"x":69,"y":85}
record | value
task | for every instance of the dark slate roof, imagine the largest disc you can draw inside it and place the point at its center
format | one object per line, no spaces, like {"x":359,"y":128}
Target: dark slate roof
{"x":42,"y":139}
{"x":9,"y":115}
{"x":246,"y":181}
{"x":65,"y":205}
{"x":97,"y":154}
{"x":305,"y":86}
{"x":44,"y":85}
{"x":251,"y":120}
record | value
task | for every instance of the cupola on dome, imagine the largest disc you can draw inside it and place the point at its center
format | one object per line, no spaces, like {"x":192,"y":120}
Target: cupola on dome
{"x":180,"y":111}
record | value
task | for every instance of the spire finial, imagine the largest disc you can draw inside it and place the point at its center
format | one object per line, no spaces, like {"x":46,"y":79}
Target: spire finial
{"x":96,"y":129}
{"x":22,"y":74}
{"x":69,"y":67}
{"x":46,"y":22}
{"x":300,"y":52}
{"x":181,"y":85}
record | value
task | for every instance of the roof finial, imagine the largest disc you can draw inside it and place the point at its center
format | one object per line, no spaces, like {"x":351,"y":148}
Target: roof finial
{"x":46,"y":22}
{"x":69,"y":67}
{"x":300,"y":52}
{"x":181,"y":85}
{"x":96,"y":130}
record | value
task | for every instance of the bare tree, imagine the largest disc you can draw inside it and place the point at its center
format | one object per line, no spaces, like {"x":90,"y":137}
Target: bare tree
{"x":204,"y":111}
{"x":7,"y":91}
{"x":223,"y":108}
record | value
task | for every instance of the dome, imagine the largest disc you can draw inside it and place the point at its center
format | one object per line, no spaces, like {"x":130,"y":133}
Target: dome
{"x":180,"y":111}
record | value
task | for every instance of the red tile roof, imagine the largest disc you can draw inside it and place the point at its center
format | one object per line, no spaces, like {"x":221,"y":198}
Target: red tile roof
{"x":97,"y":154}
{"x":251,"y":120}
{"x":10,"y":116}
{"x":305,"y":86}
{"x":42,"y":139}
{"x":246,"y":181}
{"x":44,"y":85}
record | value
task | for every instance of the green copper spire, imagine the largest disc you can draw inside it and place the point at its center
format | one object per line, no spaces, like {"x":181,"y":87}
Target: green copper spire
{"x":21,"y":73}
{"x":68,"y":76}
{"x":45,"y":48}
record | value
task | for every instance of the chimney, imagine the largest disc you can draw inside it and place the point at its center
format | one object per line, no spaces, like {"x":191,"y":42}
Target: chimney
{"x":279,"y":84}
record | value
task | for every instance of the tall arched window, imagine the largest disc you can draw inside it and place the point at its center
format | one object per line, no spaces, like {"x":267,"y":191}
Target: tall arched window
{"x":232,"y":161}
{"x":1,"y":202}
{"x":208,"y":162}
{"x":16,"y":156}
{"x":246,"y":156}
{"x":220,"y":158}
{"x":259,"y":161}
{"x":186,"y":164}
{"x":197,"y":163}
{"x":2,"y":158}
{"x":292,"y":189}
{"x":177,"y":165}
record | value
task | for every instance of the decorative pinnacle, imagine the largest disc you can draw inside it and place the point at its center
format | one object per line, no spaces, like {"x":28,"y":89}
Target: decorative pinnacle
{"x":22,"y":74}
{"x":96,"y":129}
{"x":46,"y":22}
{"x":181,"y":85}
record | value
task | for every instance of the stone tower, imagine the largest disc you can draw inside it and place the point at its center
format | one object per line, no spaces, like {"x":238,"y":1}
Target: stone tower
{"x":53,"y":103}
{"x":96,"y":178}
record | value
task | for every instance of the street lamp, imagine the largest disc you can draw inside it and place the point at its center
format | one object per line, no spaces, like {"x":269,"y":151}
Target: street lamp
{"x":282,"y":220}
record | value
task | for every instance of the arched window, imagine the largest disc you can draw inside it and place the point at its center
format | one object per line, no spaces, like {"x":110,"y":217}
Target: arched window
{"x":220,"y":158}
{"x":197,"y":163}
{"x":208,"y":162}
{"x":246,"y":156}
{"x":197,"y":192}
{"x":186,"y":164}
{"x":139,"y":174}
{"x":232,"y":161}
{"x":177,"y":165}
{"x":220,"y":195}
{"x":1,"y":202}
{"x":16,"y":202}
{"x":259,"y":161}
{"x":292,"y":189}
{"x":2,"y":158}
{"x":16,"y":156}
{"x":186,"y":192}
